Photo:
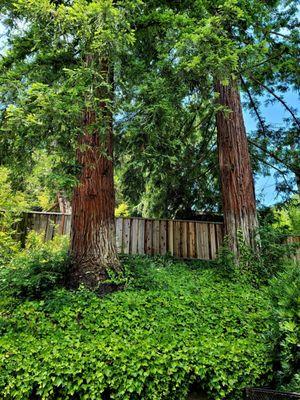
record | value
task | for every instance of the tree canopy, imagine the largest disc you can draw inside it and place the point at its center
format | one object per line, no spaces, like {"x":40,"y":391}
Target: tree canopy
{"x":166,"y":56}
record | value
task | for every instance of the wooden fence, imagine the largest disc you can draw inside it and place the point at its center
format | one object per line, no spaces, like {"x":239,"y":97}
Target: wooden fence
{"x":180,"y":238}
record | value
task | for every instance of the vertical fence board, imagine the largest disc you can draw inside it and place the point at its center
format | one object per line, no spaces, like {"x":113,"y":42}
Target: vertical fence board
{"x":126,"y":236}
{"x":134,"y":236}
{"x":49,"y":228}
{"x":163,"y":237}
{"x":148,"y":239}
{"x":184,"y":239}
{"x":40,"y":222}
{"x":192,"y":242}
{"x":62,"y":224}
{"x":141,"y":238}
{"x":119,"y":235}
{"x":170,"y":237}
{"x":204,"y":243}
{"x":156,"y":236}
{"x":177,"y":252}
{"x":68,"y":225}
{"x":198,"y":239}
{"x":212,"y":238}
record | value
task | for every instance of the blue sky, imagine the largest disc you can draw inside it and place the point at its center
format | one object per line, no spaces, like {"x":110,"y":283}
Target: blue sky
{"x":264,"y":185}
{"x":274,"y":114}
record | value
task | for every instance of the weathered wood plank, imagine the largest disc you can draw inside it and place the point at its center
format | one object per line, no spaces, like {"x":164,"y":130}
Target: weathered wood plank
{"x":126,"y":235}
{"x":148,"y":238}
{"x":177,"y":239}
{"x":119,"y":235}
{"x":204,"y":242}
{"x":68,"y":225}
{"x":134,"y":236}
{"x":141,"y":237}
{"x":40,"y":223}
{"x":198,"y":239}
{"x":192,"y":240}
{"x":184,"y":239}
{"x":171,"y":237}
{"x":156,"y":237}
{"x":49,"y":228}
{"x":163,"y":237}
{"x":212,"y":239}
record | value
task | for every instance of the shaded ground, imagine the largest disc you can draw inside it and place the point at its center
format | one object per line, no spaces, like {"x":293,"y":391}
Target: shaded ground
{"x":197,"y":396}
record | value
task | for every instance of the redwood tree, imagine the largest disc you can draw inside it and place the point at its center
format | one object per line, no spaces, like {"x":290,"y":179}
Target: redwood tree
{"x":57,"y":89}
{"x":93,"y":247}
{"x":233,"y":40}
{"x":236,"y":177}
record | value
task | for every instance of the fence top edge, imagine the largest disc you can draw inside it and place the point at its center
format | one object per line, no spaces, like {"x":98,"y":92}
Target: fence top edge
{"x":140,"y":218}
{"x":173,"y":220}
{"x":45,"y":213}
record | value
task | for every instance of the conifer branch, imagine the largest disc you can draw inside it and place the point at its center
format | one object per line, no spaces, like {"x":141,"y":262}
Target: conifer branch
{"x":277,"y":98}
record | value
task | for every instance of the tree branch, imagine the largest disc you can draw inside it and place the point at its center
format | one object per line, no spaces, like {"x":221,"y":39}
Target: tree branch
{"x":255,"y":108}
{"x":273,"y":155}
{"x":264,"y":61}
{"x":277,"y":98}
{"x":280,"y":34}
{"x":282,"y":173}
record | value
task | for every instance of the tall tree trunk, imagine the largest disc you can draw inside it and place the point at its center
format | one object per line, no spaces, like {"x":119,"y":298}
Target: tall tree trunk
{"x":93,"y":247}
{"x":237,"y":185}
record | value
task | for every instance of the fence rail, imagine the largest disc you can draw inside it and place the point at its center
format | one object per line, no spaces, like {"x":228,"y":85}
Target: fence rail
{"x":180,"y":238}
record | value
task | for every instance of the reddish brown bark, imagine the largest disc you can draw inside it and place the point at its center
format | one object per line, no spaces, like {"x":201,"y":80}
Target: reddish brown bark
{"x":93,"y":247}
{"x":237,"y":185}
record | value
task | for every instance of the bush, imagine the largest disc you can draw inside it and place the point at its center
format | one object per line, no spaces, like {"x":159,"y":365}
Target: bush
{"x":37,"y":269}
{"x":258,"y":266}
{"x":285,"y":293}
{"x":171,"y":327}
{"x":11,"y":206}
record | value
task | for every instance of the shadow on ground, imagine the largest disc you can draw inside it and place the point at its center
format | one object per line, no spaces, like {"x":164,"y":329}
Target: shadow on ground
{"x":196,"y":393}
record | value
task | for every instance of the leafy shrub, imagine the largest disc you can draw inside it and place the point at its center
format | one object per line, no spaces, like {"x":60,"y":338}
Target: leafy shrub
{"x":11,"y":206}
{"x":37,"y":269}
{"x":171,"y":327}
{"x":122,"y":210}
{"x":285,"y":293}
{"x":288,"y":215}
{"x":257,"y":267}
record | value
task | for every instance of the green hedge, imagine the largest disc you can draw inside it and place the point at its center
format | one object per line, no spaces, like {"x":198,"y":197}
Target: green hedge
{"x":285,"y":294}
{"x":172,"y":326}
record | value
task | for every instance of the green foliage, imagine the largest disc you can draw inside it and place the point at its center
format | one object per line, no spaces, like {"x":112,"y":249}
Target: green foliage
{"x":172,"y":326}
{"x":165,"y":56}
{"x":11,"y":205}
{"x":289,"y":215}
{"x":257,"y":266}
{"x":285,"y":293}
{"x":38,"y":268}
{"x":122,"y":210}
{"x":51,"y":71}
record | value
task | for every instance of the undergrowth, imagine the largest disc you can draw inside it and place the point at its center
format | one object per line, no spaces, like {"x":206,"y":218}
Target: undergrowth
{"x":172,"y":326}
